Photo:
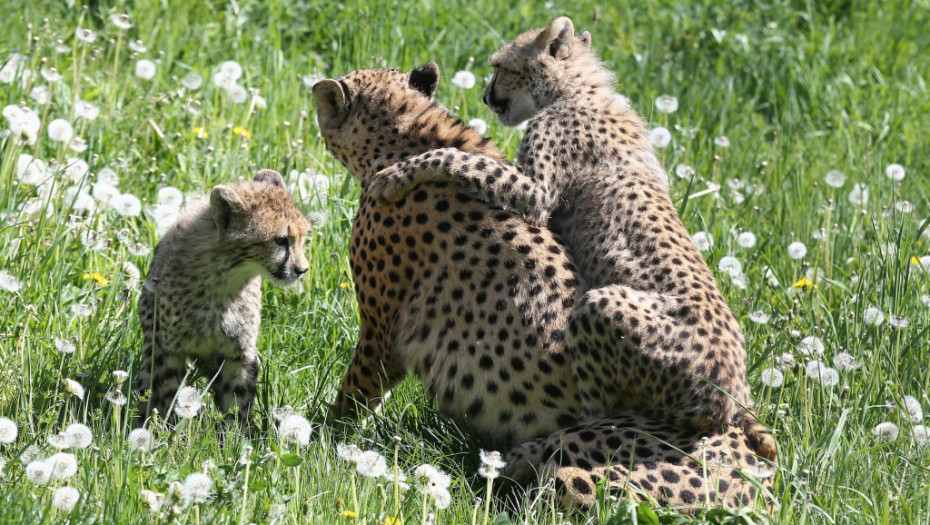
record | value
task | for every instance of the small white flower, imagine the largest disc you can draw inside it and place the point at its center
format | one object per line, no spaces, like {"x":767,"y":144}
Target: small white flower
{"x":8,"y":431}
{"x":11,"y":67}
{"x":666,"y":104}
{"x":845,"y":362}
{"x":9,"y":283}
{"x":859,"y":195}
{"x":488,"y":473}
{"x":85,"y":35}
{"x":197,"y":488}
{"x":38,"y":472}
{"x":140,"y":439}
{"x":188,"y":402}
{"x":703,"y":240}
{"x":464,"y":79}
{"x":722,"y":141}
{"x":79,"y":436}
{"x":811,"y":346}
{"x":295,"y":429}
{"x":121,"y":21}
{"x":885,"y":432}
{"x":65,"y":498}
{"x":730,"y":266}
{"x":108,"y":176}
{"x":237,"y":94}
{"x":772,"y":377}
{"x":683,"y":171}
{"x":86,"y":110}
{"x":192,"y":81}
{"x":898,"y":321}
{"x":922,"y":435}
{"x":759,"y":317}
{"x":60,"y":130}
{"x":479,"y":124}
{"x":74,"y":388}
{"x":746,"y":240}
{"x":24,"y":123}
{"x":914,"y":411}
{"x":370,"y":464}
{"x":145,"y":69}
{"x":797,"y":250}
{"x":740,"y":281}
{"x":895,"y":172}
{"x":127,"y":205}
{"x":835,"y":178}
{"x":63,"y":465}
{"x":660,"y":137}
{"x":873,"y":316}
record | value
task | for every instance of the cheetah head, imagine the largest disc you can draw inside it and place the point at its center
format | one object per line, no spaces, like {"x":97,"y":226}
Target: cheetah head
{"x":365,"y":116}
{"x":536,"y":69}
{"x":260,"y":225}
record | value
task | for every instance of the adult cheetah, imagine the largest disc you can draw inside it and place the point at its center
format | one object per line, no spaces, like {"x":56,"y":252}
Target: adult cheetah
{"x":475,"y":302}
{"x":653,"y":332}
{"x":202,"y":295}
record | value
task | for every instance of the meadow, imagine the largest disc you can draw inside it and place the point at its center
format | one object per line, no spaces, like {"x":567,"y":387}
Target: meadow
{"x":796,"y":139}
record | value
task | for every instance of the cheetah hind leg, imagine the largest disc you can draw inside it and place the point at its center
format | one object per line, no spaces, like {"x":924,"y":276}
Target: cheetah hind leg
{"x":234,"y":382}
{"x":164,"y":380}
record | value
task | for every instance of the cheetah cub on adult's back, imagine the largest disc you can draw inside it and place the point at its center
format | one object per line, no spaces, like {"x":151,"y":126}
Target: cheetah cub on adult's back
{"x":653,"y":332}
{"x":202,"y":295}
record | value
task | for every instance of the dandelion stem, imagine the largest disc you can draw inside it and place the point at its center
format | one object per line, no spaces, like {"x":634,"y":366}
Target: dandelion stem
{"x":487,"y":501}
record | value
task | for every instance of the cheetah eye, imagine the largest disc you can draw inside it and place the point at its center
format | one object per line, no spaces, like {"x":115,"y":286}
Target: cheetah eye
{"x":282,"y":241}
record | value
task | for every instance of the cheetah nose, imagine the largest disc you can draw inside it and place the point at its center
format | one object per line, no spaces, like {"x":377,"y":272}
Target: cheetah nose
{"x":300,"y":270}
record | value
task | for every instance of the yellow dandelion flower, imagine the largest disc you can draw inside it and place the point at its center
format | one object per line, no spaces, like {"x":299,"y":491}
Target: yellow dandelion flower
{"x":351,"y":514}
{"x":242,"y":132}
{"x":347,"y":284}
{"x":803,"y":284}
{"x":96,"y":277}
{"x":915,"y":260}
{"x":391,"y":520}
{"x":200,"y":133}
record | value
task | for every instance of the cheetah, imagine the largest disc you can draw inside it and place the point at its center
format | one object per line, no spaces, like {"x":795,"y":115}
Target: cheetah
{"x":201,"y":300}
{"x":475,"y":303}
{"x":653,"y":332}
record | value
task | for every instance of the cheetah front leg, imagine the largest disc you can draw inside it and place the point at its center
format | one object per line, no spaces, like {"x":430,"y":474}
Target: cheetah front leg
{"x":162,"y":373}
{"x":499,"y":184}
{"x":374,"y":371}
{"x":235,"y":381}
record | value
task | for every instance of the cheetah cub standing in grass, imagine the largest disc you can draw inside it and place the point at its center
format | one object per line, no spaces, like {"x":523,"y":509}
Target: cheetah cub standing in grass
{"x":202,"y":295}
{"x":653,"y":332}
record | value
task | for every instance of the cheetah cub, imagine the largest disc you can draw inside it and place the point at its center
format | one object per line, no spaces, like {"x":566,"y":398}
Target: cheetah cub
{"x":202,"y":296}
{"x":653,"y":332}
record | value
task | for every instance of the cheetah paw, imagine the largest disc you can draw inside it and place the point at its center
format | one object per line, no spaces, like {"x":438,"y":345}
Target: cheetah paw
{"x":388,"y":185}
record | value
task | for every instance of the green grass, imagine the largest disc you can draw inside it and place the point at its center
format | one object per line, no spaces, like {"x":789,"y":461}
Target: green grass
{"x":799,"y":88}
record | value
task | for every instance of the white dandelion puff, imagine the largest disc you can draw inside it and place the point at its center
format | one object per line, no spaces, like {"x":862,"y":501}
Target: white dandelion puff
{"x":811,"y":346}
{"x":660,"y":137}
{"x":834,"y":178}
{"x":295,"y":429}
{"x":60,"y":130}
{"x":895,"y":172}
{"x":12,"y":66}
{"x":32,"y":453}
{"x":30,"y":170}
{"x":140,"y":439}
{"x":165,"y":216}
{"x":914,"y":411}
{"x":237,"y":94}
{"x":79,"y":435}
{"x":740,"y":281}
{"x":491,"y":464}
{"x":86,"y":110}
{"x":797,"y":250}
{"x":730,"y":266}
{"x":370,"y":464}
{"x":197,"y":488}
{"x":683,"y":171}
{"x":104,"y":193}
{"x":59,"y":441}
{"x":121,"y":21}
{"x":442,"y":497}
{"x":430,"y":478}
{"x":127,"y":205}
{"x":772,"y":377}
{"x":859,"y":195}
{"x":311,"y":79}
{"x":885,"y":432}
{"x":666,"y":104}
{"x":85,"y":35}
{"x":703,"y":240}
{"x":463,"y":79}
{"x":138,"y":46}
{"x":348,"y":452}
{"x":108,"y":176}
{"x":74,"y":388}
{"x":846,"y":362}
{"x":65,"y":498}
{"x":77,"y":145}
{"x":40,"y":95}
{"x":872,"y":316}
{"x":905,"y":206}
{"x":8,"y":283}
{"x":921,"y":435}
{"x":822,"y":373}
{"x":192,"y":81}
{"x":50,"y":74}
{"x":722,"y":141}
{"x":145,"y":69}
{"x":24,"y":123}
{"x":119,"y":376}
{"x":746,"y":240}
{"x":188,"y":402}
{"x":759,"y":317}
{"x":479,"y":124}
{"x":38,"y":472}
{"x":75,"y":169}
{"x":63,"y":465}
{"x":8,"y":431}
{"x":151,"y":499}
{"x":898,"y":321}
{"x":116,"y":396}
{"x":232,"y":69}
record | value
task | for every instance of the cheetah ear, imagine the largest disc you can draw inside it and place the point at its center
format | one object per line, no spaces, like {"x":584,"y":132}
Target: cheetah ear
{"x":556,"y":38}
{"x":225,"y":202}
{"x":425,"y":79}
{"x":270,"y":177}
{"x":331,"y":103}
{"x":585,"y":39}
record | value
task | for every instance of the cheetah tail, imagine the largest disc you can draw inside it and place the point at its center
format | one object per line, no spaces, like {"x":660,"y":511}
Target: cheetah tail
{"x":760,"y":438}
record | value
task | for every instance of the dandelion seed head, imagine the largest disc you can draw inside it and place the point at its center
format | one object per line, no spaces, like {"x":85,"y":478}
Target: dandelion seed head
{"x":914,"y":411}
{"x":63,"y":465}
{"x":430,"y":477}
{"x":746,"y":240}
{"x":38,"y":472}
{"x":30,"y":170}
{"x":60,"y":130}
{"x":797,"y":250}
{"x":811,"y":346}
{"x":86,"y":110}
{"x":171,"y":196}
{"x":885,"y":432}
{"x":197,"y":488}
{"x":74,"y":388}
{"x":77,"y":145}
{"x":822,"y":373}
{"x":150,"y":499}
{"x":78,"y":435}
{"x":40,"y":95}
{"x":65,"y":498}
{"x":165,"y":216}
{"x":121,"y":21}
{"x":772,"y":377}
{"x":487,"y":472}
{"x":921,"y":435}
{"x":104,"y":193}
{"x":730,"y":266}
{"x":231,"y":69}
{"x":116,"y":396}
{"x":666,"y":104}
{"x":703,"y":240}
{"x":188,"y":402}
{"x":905,"y":206}
{"x":479,"y":124}
{"x":145,"y":69}
{"x":859,"y":195}
{"x":845,"y":362}
{"x":85,"y":35}
{"x":50,"y":74}
{"x":237,"y":94}
{"x":75,"y":169}
{"x":370,"y":464}
{"x":58,"y":440}
{"x":140,"y":439}
{"x":8,"y":283}
{"x":759,"y":317}
{"x":295,"y":429}
{"x":463,"y":79}
{"x":492,"y":459}
{"x":347,"y":452}
{"x":127,"y":205}
{"x":660,"y":137}
{"x":8,"y":431}
{"x":835,"y":178}
{"x":138,"y":46}
{"x":120,"y":376}
{"x":872,"y":316}
{"x":895,"y":172}
{"x":24,"y":123}
{"x":722,"y":141}
{"x":898,"y":321}
{"x":192,"y":81}
{"x":685,"y":172}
